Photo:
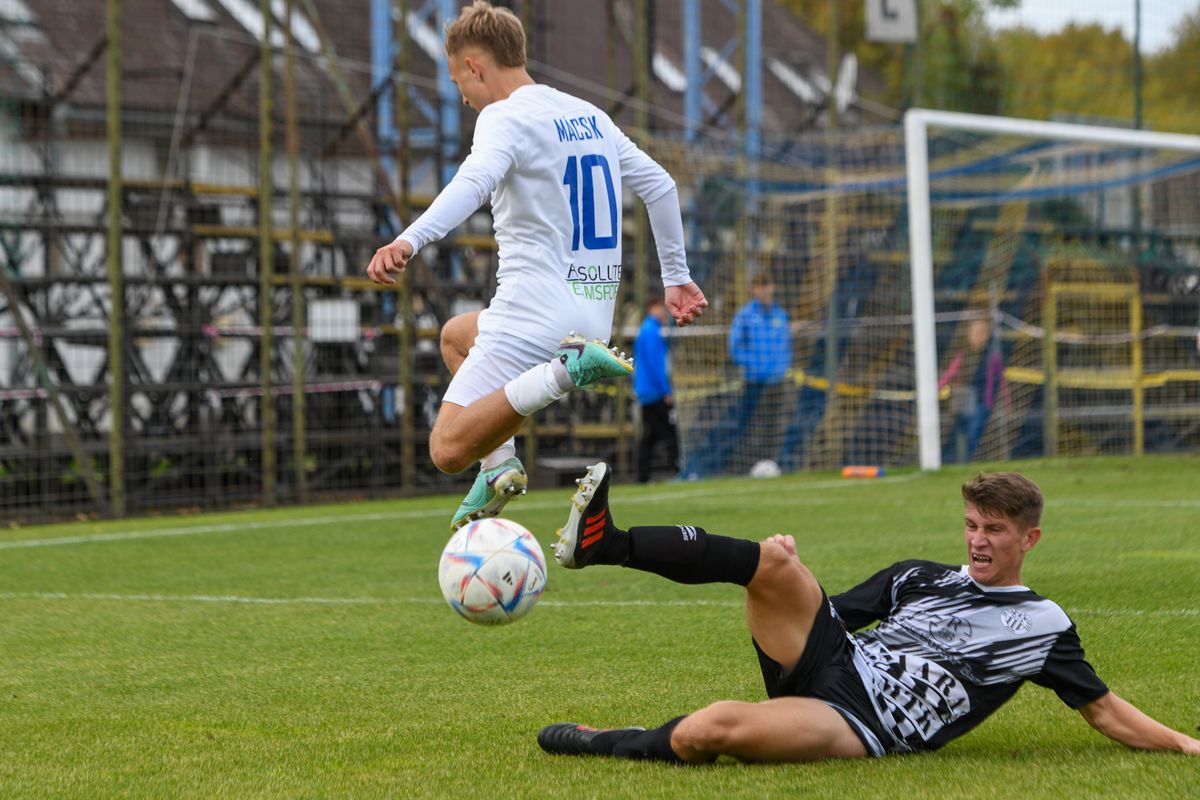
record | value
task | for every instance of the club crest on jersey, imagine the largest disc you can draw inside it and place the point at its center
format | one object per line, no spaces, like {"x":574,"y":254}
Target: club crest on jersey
{"x":950,"y":630}
{"x":1016,"y":620}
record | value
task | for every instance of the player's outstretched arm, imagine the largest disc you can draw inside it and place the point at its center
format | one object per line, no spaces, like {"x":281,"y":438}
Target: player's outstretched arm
{"x":392,"y":257}
{"x":1123,"y":722}
{"x":686,"y":303}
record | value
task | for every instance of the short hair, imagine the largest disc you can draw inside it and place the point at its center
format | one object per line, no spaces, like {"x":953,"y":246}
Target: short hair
{"x":762,"y":278}
{"x":655,"y":301}
{"x":1006,"y":494}
{"x":496,"y":30}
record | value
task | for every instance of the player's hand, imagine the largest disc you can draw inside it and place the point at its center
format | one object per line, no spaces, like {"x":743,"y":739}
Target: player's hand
{"x":391,"y":257}
{"x":786,"y":541}
{"x":1191,"y":746}
{"x":686,"y":303}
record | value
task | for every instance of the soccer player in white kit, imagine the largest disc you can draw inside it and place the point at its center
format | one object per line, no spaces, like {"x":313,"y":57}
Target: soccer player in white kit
{"x":553,"y":166}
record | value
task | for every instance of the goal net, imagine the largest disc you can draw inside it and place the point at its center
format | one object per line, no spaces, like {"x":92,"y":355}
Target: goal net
{"x":1046,"y":303}
{"x":1056,"y":287}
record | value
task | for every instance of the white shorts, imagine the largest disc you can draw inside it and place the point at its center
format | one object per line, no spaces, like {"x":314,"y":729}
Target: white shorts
{"x":493,"y":361}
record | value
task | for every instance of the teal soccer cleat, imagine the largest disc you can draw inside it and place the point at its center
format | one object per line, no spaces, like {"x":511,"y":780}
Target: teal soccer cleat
{"x":491,"y":492}
{"x":589,"y":362}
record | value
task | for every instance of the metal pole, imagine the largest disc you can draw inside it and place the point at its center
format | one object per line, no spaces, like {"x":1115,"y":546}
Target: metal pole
{"x":266,"y":261}
{"x":691,"y":67}
{"x":740,"y":262}
{"x":299,"y":448}
{"x":753,"y":121}
{"x":920,"y":242}
{"x":1050,"y":371}
{"x":643,"y":47}
{"x":1135,"y":191}
{"x":408,"y":447}
{"x":449,"y":101}
{"x":1139,"y":394}
{"x":116,"y":277}
{"x":1137,"y":63}
{"x":754,"y":96}
{"x":831,"y":214}
{"x":384,"y":31}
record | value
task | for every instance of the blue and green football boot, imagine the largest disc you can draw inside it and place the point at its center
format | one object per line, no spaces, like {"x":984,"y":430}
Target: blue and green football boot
{"x":492,"y":490}
{"x":590,"y":362}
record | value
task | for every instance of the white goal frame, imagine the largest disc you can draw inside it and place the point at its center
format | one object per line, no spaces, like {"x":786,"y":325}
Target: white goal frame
{"x":917,"y":123}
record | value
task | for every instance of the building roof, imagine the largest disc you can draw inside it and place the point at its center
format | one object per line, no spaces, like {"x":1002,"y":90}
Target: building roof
{"x":575,"y":46}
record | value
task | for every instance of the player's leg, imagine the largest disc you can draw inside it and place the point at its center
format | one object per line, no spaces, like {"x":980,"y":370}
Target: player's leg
{"x":493,"y":390}
{"x":783,"y":729}
{"x":471,"y":424}
{"x":672,"y":436}
{"x":463,"y":435}
{"x":650,"y":434}
{"x":782,"y":596}
{"x":782,"y":601}
{"x":786,"y":729}
{"x":458,"y":336}
{"x":680,"y":553}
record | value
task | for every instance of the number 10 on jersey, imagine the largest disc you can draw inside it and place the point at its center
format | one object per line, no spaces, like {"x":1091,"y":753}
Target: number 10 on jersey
{"x":580,"y":179}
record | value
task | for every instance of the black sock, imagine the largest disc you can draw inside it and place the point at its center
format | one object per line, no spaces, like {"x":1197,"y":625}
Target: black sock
{"x":654,"y":744}
{"x":685,"y":554}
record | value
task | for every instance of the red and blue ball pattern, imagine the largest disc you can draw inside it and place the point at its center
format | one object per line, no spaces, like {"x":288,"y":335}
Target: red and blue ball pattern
{"x":492,"y":571}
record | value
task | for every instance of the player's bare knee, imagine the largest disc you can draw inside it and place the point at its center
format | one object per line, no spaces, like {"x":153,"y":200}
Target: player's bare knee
{"x":776,"y":565}
{"x":453,"y":352}
{"x":447,"y":456}
{"x":713,"y":729}
{"x":458,"y":334}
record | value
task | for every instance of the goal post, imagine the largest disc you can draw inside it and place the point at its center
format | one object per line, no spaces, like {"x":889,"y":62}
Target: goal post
{"x":917,"y":124}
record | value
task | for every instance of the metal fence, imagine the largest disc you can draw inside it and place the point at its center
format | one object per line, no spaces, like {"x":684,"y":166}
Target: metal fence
{"x":185,"y":321}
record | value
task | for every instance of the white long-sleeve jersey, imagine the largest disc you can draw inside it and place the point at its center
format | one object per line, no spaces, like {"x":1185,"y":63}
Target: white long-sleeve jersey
{"x":554,"y":167}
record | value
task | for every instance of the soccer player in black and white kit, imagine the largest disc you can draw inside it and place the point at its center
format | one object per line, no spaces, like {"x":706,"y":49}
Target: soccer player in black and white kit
{"x":554,"y":167}
{"x":953,"y":643}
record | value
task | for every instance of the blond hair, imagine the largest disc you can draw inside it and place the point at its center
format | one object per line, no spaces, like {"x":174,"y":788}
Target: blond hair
{"x":496,"y":30}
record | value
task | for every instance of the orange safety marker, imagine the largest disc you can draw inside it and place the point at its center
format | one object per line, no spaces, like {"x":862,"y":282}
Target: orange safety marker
{"x":862,"y":472}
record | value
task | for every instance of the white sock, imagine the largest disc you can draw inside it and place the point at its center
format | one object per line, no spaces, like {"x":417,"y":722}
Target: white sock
{"x":498,"y":456}
{"x":536,"y":388}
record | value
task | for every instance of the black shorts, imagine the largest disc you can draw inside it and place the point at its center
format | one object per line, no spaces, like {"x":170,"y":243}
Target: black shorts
{"x":826,"y":672}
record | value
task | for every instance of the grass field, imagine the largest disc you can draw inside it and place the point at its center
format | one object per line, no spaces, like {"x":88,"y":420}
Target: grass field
{"x":307,"y":652}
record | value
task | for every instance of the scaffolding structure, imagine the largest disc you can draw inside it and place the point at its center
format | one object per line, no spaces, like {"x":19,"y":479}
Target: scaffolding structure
{"x":184,"y":308}
{"x":189,"y":197}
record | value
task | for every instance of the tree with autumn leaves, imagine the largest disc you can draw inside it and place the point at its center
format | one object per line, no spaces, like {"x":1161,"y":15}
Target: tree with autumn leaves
{"x":1084,"y":71}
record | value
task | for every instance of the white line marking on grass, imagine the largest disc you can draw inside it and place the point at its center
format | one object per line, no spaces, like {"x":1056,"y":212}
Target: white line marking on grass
{"x":202,"y":598}
{"x":340,"y":601}
{"x":298,"y":522}
{"x":412,"y":601}
{"x":229,"y":527}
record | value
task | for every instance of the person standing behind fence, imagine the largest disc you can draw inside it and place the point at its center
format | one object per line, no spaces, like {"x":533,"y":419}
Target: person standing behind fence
{"x":760,"y":343}
{"x":652,"y":385}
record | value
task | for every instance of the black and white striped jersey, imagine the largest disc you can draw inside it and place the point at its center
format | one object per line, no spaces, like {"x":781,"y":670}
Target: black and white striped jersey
{"x":949,"y":651}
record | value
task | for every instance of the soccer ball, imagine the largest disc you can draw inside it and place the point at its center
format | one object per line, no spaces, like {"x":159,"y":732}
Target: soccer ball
{"x":492,"y":571}
{"x":765,"y":469}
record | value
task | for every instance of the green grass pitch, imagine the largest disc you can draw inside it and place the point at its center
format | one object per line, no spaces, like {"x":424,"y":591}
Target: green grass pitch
{"x":307,"y":652}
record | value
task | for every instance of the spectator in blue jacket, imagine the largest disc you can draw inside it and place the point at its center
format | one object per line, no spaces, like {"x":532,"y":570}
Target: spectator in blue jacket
{"x":652,"y":385}
{"x":760,"y":339}
{"x":748,"y":429}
